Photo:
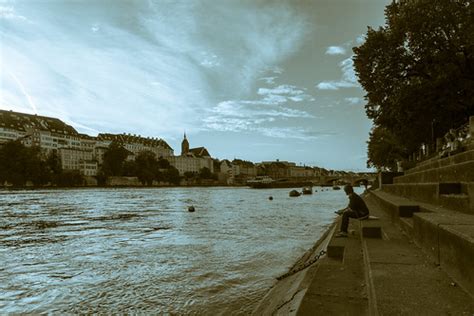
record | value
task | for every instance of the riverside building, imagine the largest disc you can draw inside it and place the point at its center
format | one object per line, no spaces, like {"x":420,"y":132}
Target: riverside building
{"x":77,"y":152}
{"x":191,"y":159}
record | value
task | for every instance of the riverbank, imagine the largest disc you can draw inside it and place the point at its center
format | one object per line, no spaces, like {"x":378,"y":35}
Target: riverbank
{"x":363,"y":275}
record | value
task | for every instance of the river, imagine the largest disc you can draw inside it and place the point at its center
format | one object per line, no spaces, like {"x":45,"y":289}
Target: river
{"x":140,"y":250}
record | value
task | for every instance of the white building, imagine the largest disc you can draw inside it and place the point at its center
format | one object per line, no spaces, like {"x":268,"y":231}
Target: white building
{"x":136,"y":144}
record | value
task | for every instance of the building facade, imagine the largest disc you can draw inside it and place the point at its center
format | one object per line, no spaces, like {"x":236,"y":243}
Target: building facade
{"x":191,"y":159}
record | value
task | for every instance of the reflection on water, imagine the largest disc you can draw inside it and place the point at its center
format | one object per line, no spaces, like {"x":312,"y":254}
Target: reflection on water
{"x":139,"y":250}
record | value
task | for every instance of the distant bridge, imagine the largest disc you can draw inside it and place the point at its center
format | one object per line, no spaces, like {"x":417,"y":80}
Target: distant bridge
{"x":355,"y":179}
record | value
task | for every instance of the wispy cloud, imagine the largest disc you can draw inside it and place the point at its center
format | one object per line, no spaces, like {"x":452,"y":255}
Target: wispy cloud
{"x":348,"y":80}
{"x":360,"y":39}
{"x":158,"y":58}
{"x":9,"y":13}
{"x":353,"y":100}
{"x":335,"y":50}
{"x":256,"y":115}
{"x":283,"y":94}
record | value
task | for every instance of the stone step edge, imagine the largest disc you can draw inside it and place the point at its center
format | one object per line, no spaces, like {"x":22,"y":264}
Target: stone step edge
{"x":440,"y":236}
{"x":443,"y":168}
{"x":440,"y":162}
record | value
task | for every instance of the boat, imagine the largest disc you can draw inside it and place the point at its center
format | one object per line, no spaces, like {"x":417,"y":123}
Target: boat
{"x":294,"y":193}
{"x":280,"y":183}
{"x":260,"y":180}
{"x":307,"y":190}
{"x":336,"y":187}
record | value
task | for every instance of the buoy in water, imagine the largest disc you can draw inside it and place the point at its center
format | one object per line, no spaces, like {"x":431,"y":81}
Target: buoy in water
{"x":270,"y":198}
{"x":191,"y":209}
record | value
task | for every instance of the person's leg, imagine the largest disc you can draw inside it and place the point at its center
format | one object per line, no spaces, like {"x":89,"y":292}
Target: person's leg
{"x":345,"y":219}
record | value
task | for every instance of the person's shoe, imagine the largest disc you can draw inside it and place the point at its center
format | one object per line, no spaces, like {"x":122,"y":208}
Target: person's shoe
{"x":341,"y":234}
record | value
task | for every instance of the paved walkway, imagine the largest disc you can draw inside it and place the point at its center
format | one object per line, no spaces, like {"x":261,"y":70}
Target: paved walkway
{"x":375,"y":276}
{"x":387,"y":276}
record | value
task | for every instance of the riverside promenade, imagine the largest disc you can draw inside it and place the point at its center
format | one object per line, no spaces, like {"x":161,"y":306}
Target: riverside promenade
{"x":414,"y":257}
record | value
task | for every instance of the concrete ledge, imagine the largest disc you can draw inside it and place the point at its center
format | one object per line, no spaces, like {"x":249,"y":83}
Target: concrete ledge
{"x":448,"y":239}
{"x":450,"y":188}
{"x":437,"y":163}
{"x":336,"y":248}
{"x":460,"y":172}
{"x":456,"y":202}
{"x":457,"y":196}
{"x":396,"y":206}
{"x":371,"y":228}
{"x":456,"y":248}
{"x":419,"y":191}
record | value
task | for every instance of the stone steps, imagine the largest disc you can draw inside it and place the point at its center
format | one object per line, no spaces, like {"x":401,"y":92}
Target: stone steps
{"x":455,"y":196}
{"x":460,"y":172}
{"x":442,"y":162}
{"x":397,"y":207}
{"x":447,"y":237}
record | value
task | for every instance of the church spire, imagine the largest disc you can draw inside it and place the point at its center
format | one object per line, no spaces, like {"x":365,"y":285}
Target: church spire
{"x":184,"y":146}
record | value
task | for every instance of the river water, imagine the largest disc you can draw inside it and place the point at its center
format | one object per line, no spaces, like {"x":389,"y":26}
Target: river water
{"x":141,"y":251}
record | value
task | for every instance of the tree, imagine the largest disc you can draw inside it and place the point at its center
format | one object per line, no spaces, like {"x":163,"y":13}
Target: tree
{"x":146,"y":167}
{"x":114,"y":158}
{"x":385,"y":149}
{"x":205,"y":173}
{"x":418,"y":70}
{"x":19,"y":164}
{"x":171,"y":175}
{"x":188,"y":175}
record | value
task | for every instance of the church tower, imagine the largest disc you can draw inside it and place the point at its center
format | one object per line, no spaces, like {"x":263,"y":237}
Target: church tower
{"x":184,"y":146}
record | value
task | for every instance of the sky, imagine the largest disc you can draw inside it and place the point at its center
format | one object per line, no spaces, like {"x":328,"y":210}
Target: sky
{"x":248,"y":79}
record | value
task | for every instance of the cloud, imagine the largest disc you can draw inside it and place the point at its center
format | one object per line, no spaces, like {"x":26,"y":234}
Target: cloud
{"x":348,"y":80}
{"x":256,"y":115}
{"x":268,"y":80}
{"x":9,"y":13}
{"x":335,"y":50}
{"x":283,"y":94}
{"x":360,"y":39}
{"x":103,"y":67}
{"x":353,"y":100}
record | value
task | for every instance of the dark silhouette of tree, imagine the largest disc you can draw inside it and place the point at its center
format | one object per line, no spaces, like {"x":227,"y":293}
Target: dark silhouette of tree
{"x":171,"y":175}
{"x":418,"y":70}
{"x":205,"y":173}
{"x":163,"y":163}
{"x":19,"y":164}
{"x":114,"y":158}
{"x":146,"y":167}
{"x":188,"y":175}
{"x":385,"y":149}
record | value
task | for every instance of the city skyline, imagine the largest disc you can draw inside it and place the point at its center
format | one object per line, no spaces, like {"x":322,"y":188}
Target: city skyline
{"x":249,"y":80}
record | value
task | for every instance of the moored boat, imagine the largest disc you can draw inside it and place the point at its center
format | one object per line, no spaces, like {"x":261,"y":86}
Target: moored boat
{"x":294,"y":193}
{"x":307,"y":190}
{"x":281,"y":183}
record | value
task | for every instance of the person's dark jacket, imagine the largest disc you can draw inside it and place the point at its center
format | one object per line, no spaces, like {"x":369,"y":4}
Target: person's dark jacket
{"x":358,"y":205}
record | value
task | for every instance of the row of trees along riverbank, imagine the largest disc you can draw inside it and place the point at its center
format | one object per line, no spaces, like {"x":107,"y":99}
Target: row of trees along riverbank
{"x":20,"y":164}
{"x":418,"y":72}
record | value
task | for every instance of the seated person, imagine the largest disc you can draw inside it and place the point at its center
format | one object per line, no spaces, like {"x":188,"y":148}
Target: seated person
{"x":356,"y":209}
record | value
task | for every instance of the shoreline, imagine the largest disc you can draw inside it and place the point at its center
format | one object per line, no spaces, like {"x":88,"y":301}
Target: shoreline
{"x":285,"y":295}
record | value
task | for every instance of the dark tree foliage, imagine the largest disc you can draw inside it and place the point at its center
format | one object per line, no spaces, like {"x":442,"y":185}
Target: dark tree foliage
{"x":189,"y":175}
{"x":171,"y":175}
{"x":418,"y":71}
{"x":114,"y":159}
{"x":146,"y":167}
{"x":385,"y":148}
{"x":205,"y":173}
{"x":19,"y":164}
